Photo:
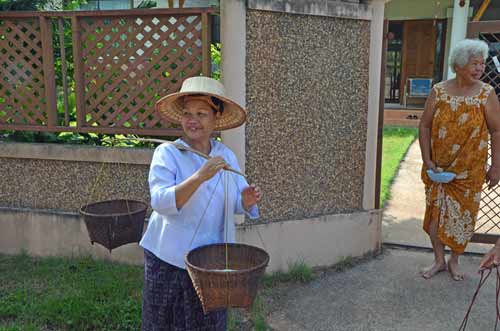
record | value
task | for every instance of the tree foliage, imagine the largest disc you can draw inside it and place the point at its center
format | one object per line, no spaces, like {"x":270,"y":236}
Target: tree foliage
{"x":16,"y":5}
{"x":37,"y":5}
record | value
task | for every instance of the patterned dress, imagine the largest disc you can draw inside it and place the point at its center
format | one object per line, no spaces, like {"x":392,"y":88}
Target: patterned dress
{"x":459,"y":144}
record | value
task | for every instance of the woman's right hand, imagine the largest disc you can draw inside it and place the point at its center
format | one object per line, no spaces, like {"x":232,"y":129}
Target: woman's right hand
{"x":492,"y":258}
{"x":431,"y":165}
{"x":211,"y":167}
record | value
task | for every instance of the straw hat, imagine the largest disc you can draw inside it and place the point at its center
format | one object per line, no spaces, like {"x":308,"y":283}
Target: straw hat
{"x":170,"y":106}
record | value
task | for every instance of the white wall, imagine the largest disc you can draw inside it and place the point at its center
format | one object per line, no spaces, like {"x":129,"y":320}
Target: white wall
{"x":320,"y":241}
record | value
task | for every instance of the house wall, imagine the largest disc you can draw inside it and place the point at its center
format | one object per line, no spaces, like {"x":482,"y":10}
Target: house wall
{"x":423,"y":10}
{"x":428,"y":9}
{"x":416,"y":10}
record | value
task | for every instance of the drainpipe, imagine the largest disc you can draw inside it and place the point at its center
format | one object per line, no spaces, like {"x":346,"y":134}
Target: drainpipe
{"x":459,"y":25}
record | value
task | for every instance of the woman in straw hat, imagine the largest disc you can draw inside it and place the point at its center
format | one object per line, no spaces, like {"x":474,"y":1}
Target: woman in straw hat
{"x":187,"y":197}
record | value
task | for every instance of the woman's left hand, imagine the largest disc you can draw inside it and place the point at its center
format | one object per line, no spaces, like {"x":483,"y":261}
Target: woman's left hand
{"x":250,"y":196}
{"x":493,"y":176}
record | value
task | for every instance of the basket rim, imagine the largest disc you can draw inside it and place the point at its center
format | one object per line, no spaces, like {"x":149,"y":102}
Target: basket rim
{"x":85,"y":213}
{"x":233,"y":272}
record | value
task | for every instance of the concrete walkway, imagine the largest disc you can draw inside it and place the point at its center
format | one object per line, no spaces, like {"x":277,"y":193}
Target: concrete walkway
{"x":404,"y":212}
{"x":383,"y":294}
{"x":387,"y":293}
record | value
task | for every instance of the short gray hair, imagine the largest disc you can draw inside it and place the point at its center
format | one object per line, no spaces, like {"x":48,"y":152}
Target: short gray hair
{"x":464,"y":50}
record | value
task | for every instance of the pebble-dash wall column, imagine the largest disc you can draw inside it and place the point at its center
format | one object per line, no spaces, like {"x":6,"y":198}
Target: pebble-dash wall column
{"x":307,"y":96}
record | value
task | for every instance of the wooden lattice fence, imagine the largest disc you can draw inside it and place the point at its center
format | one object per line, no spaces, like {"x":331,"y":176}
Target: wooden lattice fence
{"x":122,"y":62}
{"x":488,"y":222}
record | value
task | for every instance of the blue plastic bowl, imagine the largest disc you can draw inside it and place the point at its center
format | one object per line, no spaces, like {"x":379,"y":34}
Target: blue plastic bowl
{"x":441,"y":177}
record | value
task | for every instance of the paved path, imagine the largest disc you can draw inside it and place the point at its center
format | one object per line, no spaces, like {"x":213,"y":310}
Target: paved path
{"x":404,"y":212}
{"x":385,"y":293}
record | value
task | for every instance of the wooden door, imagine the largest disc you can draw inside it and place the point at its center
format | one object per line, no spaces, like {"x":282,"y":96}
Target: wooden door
{"x":419,"y":50}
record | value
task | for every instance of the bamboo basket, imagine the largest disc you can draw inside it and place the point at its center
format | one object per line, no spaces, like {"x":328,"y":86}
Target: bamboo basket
{"x":113,"y":223}
{"x":226,"y":275}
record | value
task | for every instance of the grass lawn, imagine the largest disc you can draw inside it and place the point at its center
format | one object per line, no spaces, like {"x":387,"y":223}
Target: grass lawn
{"x":394,"y":147}
{"x":59,"y":294}
{"x":82,"y":294}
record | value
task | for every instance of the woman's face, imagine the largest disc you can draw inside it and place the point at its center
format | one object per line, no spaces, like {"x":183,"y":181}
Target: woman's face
{"x":198,"y":119}
{"x":473,"y":70}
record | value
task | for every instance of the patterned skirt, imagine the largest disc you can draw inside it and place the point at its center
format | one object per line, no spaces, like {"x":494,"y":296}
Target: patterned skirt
{"x":170,"y":302}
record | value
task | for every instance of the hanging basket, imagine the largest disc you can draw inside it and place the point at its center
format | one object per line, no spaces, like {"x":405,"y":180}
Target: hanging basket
{"x":113,"y":223}
{"x":222,"y":286}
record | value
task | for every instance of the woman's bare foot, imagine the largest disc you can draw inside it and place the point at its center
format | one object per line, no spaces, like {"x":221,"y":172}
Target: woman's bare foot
{"x":434,"y":269}
{"x":454,"y":272}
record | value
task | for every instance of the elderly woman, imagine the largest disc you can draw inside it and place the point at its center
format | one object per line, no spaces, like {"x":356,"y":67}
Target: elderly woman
{"x":459,"y":113}
{"x":187,"y":197}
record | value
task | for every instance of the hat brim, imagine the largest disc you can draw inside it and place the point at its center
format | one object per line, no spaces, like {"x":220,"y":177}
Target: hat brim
{"x":170,"y":108}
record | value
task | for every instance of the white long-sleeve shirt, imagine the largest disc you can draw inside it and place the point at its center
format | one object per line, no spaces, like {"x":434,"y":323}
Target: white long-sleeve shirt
{"x":170,"y":234}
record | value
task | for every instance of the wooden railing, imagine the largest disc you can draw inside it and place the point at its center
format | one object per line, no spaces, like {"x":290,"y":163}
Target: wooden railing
{"x":98,"y":71}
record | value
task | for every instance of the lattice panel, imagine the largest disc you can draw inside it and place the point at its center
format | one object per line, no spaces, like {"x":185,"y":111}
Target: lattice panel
{"x":489,"y":213}
{"x":488,"y":220}
{"x":22,"y":92}
{"x":491,"y":74}
{"x":130,"y":62}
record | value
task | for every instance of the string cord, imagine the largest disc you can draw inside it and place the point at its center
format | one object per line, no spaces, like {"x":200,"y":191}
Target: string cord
{"x":226,"y":211}
{"x":226,"y":230}
{"x":226,"y":216}
{"x":482,"y":281}
{"x":126,"y":194}
{"x":497,"y":294}
{"x":258,"y":231}
{"x":205,"y":210}
{"x":94,"y":185}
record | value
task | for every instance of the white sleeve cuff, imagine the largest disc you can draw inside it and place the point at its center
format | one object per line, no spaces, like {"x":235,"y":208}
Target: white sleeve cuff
{"x":163,"y":201}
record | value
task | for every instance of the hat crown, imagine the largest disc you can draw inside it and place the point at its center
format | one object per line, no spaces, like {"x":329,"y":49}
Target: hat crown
{"x":203,"y":85}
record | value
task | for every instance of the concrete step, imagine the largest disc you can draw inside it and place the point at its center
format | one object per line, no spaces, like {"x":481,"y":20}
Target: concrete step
{"x":402,"y":117}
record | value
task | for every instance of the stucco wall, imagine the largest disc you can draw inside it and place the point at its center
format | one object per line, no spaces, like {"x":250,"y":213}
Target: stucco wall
{"x":64,"y":234}
{"x":64,"y":178}
{"x":38,"y":215}
{"x":307,"y":92}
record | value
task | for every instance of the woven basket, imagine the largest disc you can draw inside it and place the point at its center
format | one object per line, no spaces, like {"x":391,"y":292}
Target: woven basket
{"x":113,"y":223}
{"x":219,"y":288}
